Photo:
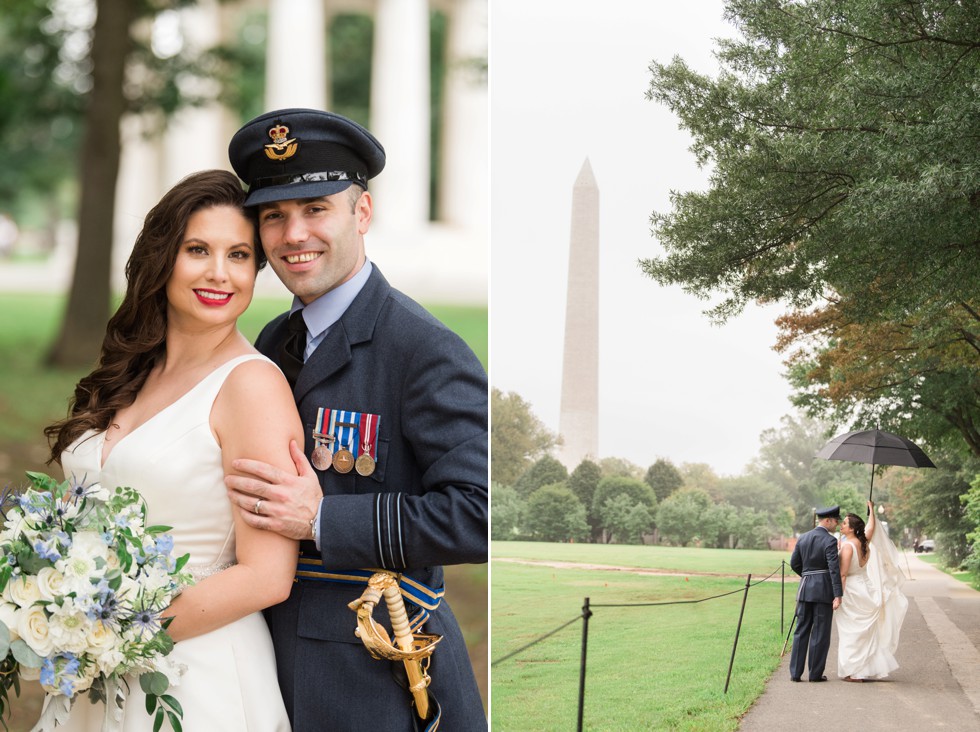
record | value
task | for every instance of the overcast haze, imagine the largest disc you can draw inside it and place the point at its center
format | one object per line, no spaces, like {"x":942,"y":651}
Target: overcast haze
{"x":569,"y":87}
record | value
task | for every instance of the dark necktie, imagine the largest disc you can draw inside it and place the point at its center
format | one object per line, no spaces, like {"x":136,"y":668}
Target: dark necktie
{"x":293,"y":347}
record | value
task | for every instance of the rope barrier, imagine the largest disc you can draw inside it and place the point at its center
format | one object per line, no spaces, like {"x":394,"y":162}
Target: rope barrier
{"x":633,"y":604}
{"x":536,"y":641}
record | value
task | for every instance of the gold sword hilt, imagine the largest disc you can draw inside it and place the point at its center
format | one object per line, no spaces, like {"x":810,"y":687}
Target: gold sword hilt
{"x":412,"y":648}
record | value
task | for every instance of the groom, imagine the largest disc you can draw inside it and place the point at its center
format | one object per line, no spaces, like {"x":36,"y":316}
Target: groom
{"x":815,"y":560}
{"x":394,"y":406}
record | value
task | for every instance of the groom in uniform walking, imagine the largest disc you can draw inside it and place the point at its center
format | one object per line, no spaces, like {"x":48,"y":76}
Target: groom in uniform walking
{"x":394,"y":406}
{"x":815,"y":560}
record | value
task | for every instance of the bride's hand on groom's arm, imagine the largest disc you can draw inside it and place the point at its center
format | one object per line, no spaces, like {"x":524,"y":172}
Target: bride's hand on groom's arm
{"x":286,"y":503}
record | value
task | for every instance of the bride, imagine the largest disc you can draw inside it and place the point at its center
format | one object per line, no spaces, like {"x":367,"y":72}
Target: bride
{"x":178,"y":394}
{"x":870,"y":617}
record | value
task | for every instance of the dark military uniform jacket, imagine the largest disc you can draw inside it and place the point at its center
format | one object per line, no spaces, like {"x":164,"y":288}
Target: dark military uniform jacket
{"x":815,"y":560}
{"x":425,"y":505}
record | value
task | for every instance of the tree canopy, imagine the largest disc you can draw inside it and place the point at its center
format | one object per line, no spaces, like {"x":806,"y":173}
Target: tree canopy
{"x":517,"y":437}
{"x":842,"y":137}
{"x":555,"y":514}
{"x":664,"y":478}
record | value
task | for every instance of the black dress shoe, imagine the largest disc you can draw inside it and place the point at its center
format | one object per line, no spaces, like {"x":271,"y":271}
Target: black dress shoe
{"x":795,"y":678}
{"x":822,"y":678}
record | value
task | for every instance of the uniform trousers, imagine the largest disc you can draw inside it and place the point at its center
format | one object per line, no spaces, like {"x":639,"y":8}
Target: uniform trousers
{"x":812,"y":638}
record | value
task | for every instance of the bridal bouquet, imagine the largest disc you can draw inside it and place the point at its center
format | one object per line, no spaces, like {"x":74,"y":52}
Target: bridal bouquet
{"x":83,"y":585}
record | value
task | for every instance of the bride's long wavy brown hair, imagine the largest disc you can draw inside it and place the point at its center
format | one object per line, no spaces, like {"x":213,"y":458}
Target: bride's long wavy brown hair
{"x":135,"y":336}
{"x":857,"y":525}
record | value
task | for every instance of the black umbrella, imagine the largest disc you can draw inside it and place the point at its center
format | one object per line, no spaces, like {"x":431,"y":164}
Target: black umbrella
{"x":875,"y":447}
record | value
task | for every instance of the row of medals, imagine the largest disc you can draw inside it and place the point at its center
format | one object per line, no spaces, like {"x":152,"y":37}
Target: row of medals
{"x":343,"y":460}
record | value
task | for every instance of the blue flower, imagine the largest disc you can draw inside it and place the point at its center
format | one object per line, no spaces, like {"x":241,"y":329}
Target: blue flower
{"x":147,"y":622}
{"x":47,"y":671}
{"x":78,"y":490}
{"x":165,"y":544}
{"x":48,"y":549}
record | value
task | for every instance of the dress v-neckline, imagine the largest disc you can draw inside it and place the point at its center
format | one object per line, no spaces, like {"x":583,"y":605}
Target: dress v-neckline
{"x":104,"y":459}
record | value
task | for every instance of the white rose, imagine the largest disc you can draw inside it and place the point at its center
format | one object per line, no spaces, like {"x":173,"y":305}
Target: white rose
{"x":50,"y":583}
{"x":24,"y":590}
{"x":69,"y":627}
{"x":109,"y":660}
{"x":89,"y":542}
{"x":101,"y":637}
{"x":84,"y":679}
{"x":33,"y":628}
{"x":10,"y":616}
{"x":112,"y":561}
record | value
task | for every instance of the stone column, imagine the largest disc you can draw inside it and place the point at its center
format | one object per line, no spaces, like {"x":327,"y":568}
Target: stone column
{"x":196,"y":137}
{"x":579,"y":419}
{"x":464,"y":193}
{"x":296,"y":56}
{"x":400,"y":112}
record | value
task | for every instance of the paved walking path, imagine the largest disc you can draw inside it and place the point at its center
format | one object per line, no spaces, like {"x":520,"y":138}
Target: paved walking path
{"x":937,"y":686}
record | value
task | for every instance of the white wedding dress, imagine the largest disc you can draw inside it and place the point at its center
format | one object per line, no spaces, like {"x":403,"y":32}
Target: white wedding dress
{"x":870,"y":617}
{"x":174,"y":461}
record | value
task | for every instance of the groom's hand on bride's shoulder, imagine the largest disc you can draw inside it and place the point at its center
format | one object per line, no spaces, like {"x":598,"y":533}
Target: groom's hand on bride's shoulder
{"x":272,"y":499}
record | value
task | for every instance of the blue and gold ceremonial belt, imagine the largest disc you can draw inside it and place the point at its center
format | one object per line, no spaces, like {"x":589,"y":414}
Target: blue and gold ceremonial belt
{"x":415,"y":592}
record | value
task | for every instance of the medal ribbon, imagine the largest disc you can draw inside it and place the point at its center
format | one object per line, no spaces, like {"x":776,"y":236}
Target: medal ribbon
{"x":346,"y":430}
{"x":369,"y":434}
{"x":333,"y":431}
{"x":322,"y":415}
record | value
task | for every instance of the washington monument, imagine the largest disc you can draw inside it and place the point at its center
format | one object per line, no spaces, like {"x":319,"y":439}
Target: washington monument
{"x":579,"y":420}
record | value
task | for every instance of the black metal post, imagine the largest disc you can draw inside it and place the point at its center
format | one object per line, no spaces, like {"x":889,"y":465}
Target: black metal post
{"x":782,"y":596}
{"x":738,"y":630}
{"x":586,"y":614}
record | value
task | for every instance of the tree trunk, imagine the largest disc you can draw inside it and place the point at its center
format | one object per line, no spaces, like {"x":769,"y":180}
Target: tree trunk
{"x":87,"y":312}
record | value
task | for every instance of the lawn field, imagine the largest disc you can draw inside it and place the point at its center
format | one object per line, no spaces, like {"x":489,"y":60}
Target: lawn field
{"x":649,"y":667}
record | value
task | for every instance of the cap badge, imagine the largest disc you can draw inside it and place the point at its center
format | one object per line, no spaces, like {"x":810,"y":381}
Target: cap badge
{"x":281,"y":148}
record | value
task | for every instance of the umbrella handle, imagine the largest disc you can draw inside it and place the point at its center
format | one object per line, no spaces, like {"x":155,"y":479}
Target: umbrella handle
{"x":870,"y":492}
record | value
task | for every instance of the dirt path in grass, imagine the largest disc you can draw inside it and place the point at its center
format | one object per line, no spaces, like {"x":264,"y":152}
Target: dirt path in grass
{"x":615,"y":568}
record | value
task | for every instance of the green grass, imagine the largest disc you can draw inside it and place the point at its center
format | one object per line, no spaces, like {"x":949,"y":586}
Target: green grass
{"x":648,"y":668}
{"x":681,"y":559}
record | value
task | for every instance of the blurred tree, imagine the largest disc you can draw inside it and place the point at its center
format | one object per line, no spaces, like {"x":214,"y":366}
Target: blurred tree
{"x":546,"y":471}
{"x":555,"y":514}
{"x":664,"y":478}
{"x":583,"y":483}
{"x":517,"y":437}
{"x":40,"y":110}
{"x":719,"y":523}
{"x":620,"y":466}
{"x":754,"y":496}
{"x":680,"y":518}
{"x":786,"y":460}
{"x":71,"y":71}
{"x":701,"y":476}
{"x":937,"y":499}
{"x":507,"y":513}
{"x":625,"y":519}
{"x":637,"y":492}
{"x":971,"y":505}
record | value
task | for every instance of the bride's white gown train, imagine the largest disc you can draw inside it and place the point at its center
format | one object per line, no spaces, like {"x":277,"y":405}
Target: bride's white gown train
{"x":174,"y":461}
{"x":870,"y":617}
